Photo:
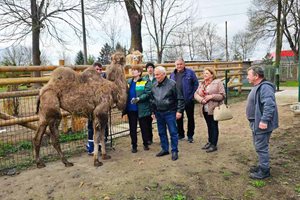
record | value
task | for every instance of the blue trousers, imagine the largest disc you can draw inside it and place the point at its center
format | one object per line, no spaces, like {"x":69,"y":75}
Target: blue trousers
{"x":261,"y":144}
{"x":164,"y":120}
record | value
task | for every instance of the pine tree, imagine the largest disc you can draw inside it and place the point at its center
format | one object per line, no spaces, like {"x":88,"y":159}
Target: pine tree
{"x":119,"y":47}
{"x":105,"y":54}
{"x":79,"y":58}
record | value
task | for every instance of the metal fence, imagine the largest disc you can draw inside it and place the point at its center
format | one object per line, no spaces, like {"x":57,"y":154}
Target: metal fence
{"x":287,"y":72}
{"x":16,"y":149}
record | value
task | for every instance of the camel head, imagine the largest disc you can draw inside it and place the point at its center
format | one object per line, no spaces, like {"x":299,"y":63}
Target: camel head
{"x":134,"y":58}
{"x":118,"y":58}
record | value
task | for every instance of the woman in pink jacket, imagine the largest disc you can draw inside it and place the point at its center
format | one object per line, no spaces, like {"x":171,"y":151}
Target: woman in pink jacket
{"x":210,"y":94}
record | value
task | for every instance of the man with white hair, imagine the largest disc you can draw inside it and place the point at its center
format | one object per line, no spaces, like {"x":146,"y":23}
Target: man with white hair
{"x":167,"y":104}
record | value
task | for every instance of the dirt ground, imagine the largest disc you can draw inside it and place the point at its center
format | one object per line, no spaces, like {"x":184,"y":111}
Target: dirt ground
{"x":196,"y":175}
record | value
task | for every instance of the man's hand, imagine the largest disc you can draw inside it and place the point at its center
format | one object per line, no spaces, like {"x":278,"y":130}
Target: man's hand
{"x":134,"y":100}
{"x":262,"y":125}
{"x":178,"y":115}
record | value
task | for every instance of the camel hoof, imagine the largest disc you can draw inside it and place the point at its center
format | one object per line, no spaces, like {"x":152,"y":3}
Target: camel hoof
{"x":69,"y":164}
{"x":106,"y":157}
{"x":97,"y":163}
{"x":40,"y":165}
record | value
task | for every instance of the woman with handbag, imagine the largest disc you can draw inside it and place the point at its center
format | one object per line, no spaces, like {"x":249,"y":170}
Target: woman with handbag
{"x":210,"y":94}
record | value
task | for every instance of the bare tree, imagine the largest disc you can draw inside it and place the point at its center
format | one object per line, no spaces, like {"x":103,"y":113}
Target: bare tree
{"x":161,"y":19}
{"x":20,"y":56}
{"x":243,"y":45}
{"x":112,"y":31}
{"x":211,"y":45}
{"x":263,"y":18}
{"x":23,"y":18}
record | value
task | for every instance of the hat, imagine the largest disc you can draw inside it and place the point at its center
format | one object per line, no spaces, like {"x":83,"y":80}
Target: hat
{"x":149,"y":64}
{"x":97,"y":63}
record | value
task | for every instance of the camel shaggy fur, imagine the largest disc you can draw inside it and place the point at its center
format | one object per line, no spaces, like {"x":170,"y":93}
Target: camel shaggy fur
{"x":85,"y":94}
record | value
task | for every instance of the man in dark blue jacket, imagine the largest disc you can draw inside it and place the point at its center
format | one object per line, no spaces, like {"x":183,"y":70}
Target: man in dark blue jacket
{"x":187,"y":82}
{"x":261,"y":111}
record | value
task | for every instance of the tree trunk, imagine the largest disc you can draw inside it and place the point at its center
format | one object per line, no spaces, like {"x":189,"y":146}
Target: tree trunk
{"x":135,"y":20}
{"x":159,"y":56}
{"x":35,"y":40}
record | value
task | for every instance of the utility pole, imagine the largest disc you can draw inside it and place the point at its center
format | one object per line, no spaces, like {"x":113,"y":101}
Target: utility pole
{"x":226,"y":40}
{"x":84,"y":36}
{"x":226,"y":71}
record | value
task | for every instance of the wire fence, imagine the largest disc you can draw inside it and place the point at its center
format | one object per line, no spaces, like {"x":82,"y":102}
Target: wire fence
{"x":16,"y":149}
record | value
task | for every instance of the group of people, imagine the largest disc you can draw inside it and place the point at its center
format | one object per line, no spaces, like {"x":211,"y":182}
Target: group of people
{"x":166,"y":99}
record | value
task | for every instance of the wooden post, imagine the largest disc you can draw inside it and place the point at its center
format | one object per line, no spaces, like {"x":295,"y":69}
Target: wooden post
{"x":240,"y":79}
{"x":61,"y":62}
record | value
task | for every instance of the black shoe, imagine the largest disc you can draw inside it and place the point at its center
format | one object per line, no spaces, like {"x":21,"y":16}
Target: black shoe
{"x":260,"y":174}
{"x":211,"y":148}
{"x":190,"y":140}
{"x":162,"y":153}
{"x":146,"y":148}
{"x":180,"y":137}
{"x":206,"y":146}
{"x":133,"y":150}
{"x":174,"y":156}
{"x":254,"y":169}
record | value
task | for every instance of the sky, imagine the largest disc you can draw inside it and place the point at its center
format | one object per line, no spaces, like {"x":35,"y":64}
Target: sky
{"x":215,"y":11}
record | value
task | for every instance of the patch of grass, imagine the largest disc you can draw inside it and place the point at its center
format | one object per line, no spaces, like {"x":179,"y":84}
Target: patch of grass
{"x":249,"y":194}
{"x":258,"y":183}
{"x":289,"y":84}
{"x":71,"y":137}
{"x":24,"y":145}
{"x":6,"y":148}
{"x":297,"y":188}
{"x":226,"y":175}
{"x":175,"y":197}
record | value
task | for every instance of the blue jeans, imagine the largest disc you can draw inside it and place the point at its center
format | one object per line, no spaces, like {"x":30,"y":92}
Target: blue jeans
{"x":165,"y":119}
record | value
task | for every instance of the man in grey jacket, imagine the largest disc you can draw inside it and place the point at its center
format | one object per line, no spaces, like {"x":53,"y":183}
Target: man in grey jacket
{"x":262,"y":114}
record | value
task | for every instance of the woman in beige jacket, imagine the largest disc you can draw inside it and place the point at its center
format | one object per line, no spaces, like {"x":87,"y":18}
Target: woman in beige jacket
{"x":210,"y":94}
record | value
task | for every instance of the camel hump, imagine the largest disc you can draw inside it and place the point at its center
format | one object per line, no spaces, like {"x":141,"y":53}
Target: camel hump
{"x":63,"y":75}
{"x":90,"y":74}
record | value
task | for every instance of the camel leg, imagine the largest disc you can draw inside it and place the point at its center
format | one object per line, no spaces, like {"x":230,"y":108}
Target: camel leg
{"x":53,"y":126}
{"x":97,"y":163}
{"x":37,"y":143}
{"x":103,"y":124}
{"x":99,"y":124}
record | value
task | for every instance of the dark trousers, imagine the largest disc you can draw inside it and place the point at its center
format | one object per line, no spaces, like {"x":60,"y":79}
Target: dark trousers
{"x":133,"y":120}
{"x":91,"y":131}
{"x":212,"y":127}
{"x":146,"y":127}
{"x":189,"y":110}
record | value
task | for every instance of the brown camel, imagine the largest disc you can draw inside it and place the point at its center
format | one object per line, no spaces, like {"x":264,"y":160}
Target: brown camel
{"x":84,"y":94}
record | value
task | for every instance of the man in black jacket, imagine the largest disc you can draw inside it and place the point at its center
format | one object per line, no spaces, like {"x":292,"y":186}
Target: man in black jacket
{"x":167,"y":104}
